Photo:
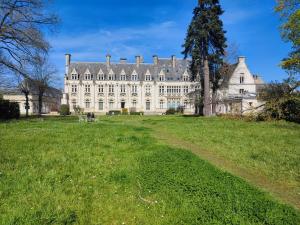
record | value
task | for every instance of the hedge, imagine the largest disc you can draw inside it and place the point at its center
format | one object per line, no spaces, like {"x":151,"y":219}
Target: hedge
{"x":9,"y":110}
{"x":64,"y":110}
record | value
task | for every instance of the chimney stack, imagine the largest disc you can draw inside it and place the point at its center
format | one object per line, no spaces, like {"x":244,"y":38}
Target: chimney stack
{"x":173,"y":61}
{"x":123,"y":60}
{"x":68,"y":62}
{"x":108,"y":57}
{"x":241,"y":59}
{"x":155,"y":60}
{"x":138,"y":60}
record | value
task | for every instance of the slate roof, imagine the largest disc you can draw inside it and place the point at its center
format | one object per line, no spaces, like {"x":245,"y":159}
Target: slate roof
{"x":171,"y":74}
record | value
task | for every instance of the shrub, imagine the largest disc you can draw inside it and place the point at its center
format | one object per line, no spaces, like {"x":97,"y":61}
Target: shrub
{"x":125,"y":111}
{"x":137,"y":113}
{"x":64,"y":110}
{"x":9,"y":110}
{"x":114,"y":112}
{"x":170,"y":111}
{"x":291,"y":110}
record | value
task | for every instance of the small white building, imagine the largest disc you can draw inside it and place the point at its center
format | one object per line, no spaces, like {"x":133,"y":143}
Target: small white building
{"x":100,"y":87}
{"x":51,"y":100}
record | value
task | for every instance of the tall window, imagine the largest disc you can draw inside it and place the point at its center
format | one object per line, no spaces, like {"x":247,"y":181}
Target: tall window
{"x":74,"y":88}
{"x":161,"y":78}
{"x":161,"y":104}
{"x":161,"y":90}
{"x":87,"y":88}
{"x":134,"y":89}
{"x":148,"y":105}
{"x":111,"y":104}
{"x":101,"y":88}
{"x":148,"y":89}
{"x":134,"y":103}
{"x":123,"y":88}
{"x":242,"y":79}
{"x":74,"y":103}
{"x":87,"y":104}
{"x":186,"y":103}
{"x":111,"y":89}
{"x":100,"y":105}
{"x":186,"y":89}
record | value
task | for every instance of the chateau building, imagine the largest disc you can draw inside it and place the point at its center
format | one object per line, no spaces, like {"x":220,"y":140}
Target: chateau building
{"x":150,"y":88}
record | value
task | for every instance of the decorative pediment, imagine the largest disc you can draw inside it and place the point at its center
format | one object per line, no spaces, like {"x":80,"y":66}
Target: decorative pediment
{"x":185,"y":73}
{"x":123,"y":72}
{"x":148,"y":72}
{"x":162,"y":73}
{"x":100,"y":72}
{"x":87,"y":72}
{"x":134,"y":73}
{"x":111,"y":72}
{"x":74,"y":71}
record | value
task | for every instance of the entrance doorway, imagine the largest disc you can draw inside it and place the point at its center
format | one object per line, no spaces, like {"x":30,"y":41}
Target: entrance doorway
{"x":122,"y":105}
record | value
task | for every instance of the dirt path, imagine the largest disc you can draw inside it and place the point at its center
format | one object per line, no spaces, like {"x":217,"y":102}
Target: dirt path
{"x":282,"y":192}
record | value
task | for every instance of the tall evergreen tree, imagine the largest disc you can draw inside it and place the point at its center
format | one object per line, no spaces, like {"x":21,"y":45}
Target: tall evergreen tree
{"x":205,"y":43}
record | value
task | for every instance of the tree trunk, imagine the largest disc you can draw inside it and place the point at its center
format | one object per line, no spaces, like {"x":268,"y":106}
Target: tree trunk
{"x":214,"y":102}
{"x":40,"y":103}
{"x":27,"y":104}
{"x":207,"y":104}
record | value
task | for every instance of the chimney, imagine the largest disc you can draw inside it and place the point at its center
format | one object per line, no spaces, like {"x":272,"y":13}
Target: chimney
{"x":108,"y":57}
{"x":173,"y":61}
{"x":68,"y":62}
{"x":241,"y":59}
{"x":138,"y":60}
{"x":123,"y":60}
{"x":155,"y":60}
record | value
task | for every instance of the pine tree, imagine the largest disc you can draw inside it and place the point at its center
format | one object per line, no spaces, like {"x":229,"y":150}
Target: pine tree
{"x":205,"y":43}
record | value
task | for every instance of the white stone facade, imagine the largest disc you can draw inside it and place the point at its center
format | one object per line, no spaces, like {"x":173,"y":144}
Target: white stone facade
{"x":141,"y":87}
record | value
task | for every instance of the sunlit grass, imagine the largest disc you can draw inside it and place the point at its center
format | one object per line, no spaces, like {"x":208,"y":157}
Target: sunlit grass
{"x":59,"y":171}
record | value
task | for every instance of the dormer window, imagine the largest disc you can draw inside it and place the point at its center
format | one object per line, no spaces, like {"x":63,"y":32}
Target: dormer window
{"x":148,"y":77}
{"x":123,"y":77}
{"x":101,"y":77}
{"x":185,"y":78}
{"x":161,"y":78}
{"x":87,"y":76}
{"x":134,"y":77}
{"x":74,"y":76}
{"x":111,"y":77}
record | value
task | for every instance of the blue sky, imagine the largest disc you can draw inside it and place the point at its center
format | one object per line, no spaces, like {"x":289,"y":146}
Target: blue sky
{"x":92,"y":28}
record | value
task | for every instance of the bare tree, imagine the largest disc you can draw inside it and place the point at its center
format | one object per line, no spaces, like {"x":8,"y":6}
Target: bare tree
{"x":42,"y":75}
{"x":21,"y":31}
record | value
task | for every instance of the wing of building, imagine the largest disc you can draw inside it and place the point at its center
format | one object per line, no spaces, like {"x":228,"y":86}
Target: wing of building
{"x":51,"y":99}
{"x":100,"y":87}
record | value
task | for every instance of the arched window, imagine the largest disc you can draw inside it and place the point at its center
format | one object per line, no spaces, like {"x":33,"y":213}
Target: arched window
{"x":87,"y":104}
{"x":100,"y":104}
{"x":134,"y":103}
{"x":74,"y":103}
{"x":111,"y":104}
{"x":148,"y":105}
{"x":161,"y":104}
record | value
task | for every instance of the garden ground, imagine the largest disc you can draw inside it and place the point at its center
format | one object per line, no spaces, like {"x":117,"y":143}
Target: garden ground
{"x":149,"y":170}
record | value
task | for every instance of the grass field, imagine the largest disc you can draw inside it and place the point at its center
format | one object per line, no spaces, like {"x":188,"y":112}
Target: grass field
{"x":140,"y":170}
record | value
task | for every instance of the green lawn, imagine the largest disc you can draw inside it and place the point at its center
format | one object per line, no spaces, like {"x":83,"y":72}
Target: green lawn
{"x":121,"y":171}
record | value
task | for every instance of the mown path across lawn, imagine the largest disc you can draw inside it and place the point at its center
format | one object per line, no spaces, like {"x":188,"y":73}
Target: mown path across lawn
{"x":123,"y":171}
